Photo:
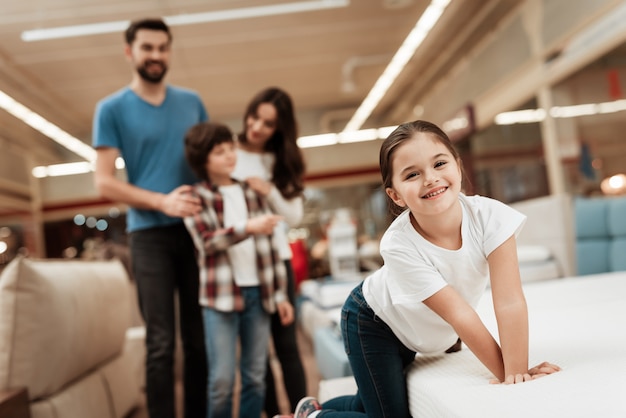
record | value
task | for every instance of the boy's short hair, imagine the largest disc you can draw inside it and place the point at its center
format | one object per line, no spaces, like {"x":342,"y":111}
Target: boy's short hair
{"x":200,"y":140}
{"x":151,"y":24}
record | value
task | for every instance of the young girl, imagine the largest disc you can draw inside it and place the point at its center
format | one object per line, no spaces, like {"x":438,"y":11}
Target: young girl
{"x":242,"y":279}
{"x":439,"y":254}
{"x":269,"y":160}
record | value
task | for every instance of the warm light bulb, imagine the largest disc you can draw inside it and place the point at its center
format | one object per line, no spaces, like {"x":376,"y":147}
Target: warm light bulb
{"x":614,"y":185}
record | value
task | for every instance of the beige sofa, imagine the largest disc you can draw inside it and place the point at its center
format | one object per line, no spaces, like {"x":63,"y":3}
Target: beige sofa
{"x":65,"y":336}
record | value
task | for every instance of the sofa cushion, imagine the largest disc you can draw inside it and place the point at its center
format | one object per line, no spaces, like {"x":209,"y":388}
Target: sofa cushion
{"x":86,"y":397}
{"x":58,"y":320}
{"x":617,"y":217}
{"x":591,"y":218}
{"x":592,"y":256}
{"x":617,"y":255}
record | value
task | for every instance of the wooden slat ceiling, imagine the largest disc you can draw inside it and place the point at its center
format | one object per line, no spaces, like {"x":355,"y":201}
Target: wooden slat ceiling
{"x":310,"y":54}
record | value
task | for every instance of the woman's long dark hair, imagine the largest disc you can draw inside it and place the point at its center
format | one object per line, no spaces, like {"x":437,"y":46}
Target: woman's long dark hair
{"x":288,"y":170}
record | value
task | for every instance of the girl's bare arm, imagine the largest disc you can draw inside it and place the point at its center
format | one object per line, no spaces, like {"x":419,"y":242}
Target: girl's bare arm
{"x":510,"y":309}
{"x":449,"y":304}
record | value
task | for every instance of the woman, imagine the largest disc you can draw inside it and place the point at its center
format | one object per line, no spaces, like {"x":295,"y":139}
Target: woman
{"x":269,"y":160}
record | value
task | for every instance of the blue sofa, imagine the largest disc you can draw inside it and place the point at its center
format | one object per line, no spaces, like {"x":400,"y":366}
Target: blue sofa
{"x":600,"y":228}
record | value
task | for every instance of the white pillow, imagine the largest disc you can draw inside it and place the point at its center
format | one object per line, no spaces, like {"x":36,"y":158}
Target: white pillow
{"x":533,"y":253}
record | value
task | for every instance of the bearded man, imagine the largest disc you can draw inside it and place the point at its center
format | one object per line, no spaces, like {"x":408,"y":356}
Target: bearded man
{"x":145,"y":123}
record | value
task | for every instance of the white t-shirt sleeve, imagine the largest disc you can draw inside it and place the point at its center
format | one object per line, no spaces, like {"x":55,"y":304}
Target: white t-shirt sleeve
{"x":292,"y":210}
{"x":411,"y":276}
{"x":500,"y":222}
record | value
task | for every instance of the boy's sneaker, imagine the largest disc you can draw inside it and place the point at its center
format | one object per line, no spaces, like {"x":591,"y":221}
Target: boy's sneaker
{"x":306,"y":406}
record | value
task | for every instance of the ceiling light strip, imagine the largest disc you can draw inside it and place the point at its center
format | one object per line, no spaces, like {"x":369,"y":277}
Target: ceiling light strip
{"x":406,"y":51}
{"x":47,"y":128}
{"x":184,"y":19}
{"x":573,"y":111}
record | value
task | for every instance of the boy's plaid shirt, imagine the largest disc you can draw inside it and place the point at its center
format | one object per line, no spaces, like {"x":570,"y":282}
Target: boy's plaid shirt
{"x":217,"y":283}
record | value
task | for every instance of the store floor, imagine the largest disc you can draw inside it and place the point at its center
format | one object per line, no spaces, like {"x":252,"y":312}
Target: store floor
{"x":310,"y":368}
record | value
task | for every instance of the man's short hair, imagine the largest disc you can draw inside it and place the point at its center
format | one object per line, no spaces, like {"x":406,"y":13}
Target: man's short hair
{"x":150,"y":24}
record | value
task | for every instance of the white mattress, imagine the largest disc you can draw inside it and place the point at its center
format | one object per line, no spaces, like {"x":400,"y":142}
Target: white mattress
{"x":578,"y":323}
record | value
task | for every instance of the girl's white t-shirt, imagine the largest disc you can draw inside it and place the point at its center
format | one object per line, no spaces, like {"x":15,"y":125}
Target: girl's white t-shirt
{"x":414,"y":269}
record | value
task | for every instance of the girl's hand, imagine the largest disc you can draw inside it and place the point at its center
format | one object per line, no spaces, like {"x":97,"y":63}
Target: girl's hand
{"x":533,"y":373}
{"x":543,"y":369}
{"x":259,"y":185}
{"x":513,"y":379}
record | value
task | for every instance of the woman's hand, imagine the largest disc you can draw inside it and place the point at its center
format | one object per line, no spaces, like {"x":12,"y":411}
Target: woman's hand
{"x":533,"y":373}
{"x":285,"y":312}
{"x":259,"y":185}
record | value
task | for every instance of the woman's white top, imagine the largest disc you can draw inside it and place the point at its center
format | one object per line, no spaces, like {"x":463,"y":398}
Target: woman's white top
{"x":243,"y":254}
{"x":254,"y":164}
{"x":415,"y":269}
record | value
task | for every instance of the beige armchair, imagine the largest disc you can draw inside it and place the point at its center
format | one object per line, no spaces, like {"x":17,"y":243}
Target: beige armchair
{"x":65,"y":338}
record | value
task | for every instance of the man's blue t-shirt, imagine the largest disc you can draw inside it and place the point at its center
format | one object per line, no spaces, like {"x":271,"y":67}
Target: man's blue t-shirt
{"x":151,"y":141}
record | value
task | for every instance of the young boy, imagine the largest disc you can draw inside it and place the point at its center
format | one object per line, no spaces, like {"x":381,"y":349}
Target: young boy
{"x":242,"y":278}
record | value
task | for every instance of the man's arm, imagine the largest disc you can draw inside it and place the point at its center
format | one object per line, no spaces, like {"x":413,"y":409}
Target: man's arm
{"x":178,"y":203}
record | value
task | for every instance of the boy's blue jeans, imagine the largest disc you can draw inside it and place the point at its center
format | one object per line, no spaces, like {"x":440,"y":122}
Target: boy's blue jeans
{"x":378,"y":360}
{"x":222,"y":329}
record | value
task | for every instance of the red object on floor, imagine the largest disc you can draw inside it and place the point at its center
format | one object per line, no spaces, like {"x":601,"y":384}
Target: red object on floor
{"x":299,"y":261}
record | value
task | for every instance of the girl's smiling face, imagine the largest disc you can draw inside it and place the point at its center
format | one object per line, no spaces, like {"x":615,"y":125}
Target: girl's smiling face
{"x":426,"y":176}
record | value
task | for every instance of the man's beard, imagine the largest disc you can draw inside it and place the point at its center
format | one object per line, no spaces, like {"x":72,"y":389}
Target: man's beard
{"x":151,"y":77}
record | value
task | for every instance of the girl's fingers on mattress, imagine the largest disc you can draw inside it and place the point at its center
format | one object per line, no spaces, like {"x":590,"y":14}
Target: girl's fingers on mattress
{"x":549,"y":368}
{"x":544,"y":367}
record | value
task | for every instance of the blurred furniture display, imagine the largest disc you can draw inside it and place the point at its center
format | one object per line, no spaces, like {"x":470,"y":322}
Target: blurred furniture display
{"x":320,"y":314}
{"x":330,"y":355}
{"x":339,"y":386}
{"x":343,"y":254}
{"x":537,"y":262}
{"x":66,"y":340}
{"x":600,"y":234}
{"x":546,"y":241}
{"x":320,"y":303}
{"x":584,"y":235}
